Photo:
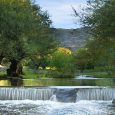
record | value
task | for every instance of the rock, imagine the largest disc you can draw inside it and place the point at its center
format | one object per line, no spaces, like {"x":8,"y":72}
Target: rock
{"x":113,"y":101}
{"x":66,"y":95}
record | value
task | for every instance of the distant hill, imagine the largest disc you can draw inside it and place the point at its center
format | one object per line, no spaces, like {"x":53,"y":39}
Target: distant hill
{"x":71,"y":38}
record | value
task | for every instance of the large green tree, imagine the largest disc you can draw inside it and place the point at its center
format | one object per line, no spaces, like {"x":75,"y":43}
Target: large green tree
{"x":24,"y":30}
{"x":99,"y":17}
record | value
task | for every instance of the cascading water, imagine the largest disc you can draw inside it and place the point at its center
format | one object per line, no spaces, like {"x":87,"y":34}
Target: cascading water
{"x":57,"y":101}
{"x":25,"y":93}
{"x":75,"y":94}
{"x":62,"y":94}
{"x":96,"y":94}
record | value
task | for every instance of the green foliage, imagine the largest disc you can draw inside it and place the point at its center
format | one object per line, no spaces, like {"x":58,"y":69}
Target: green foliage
{"x":24,"y":29}
{"x":95,"y":50}
{"x":101,"y":55}
{"x":84,"y":59}
{"x":99,"y":17}
{"x":2,"y":74}
{"x":29,"y":73}
{"x":62,"y":62}
{"x":94,"y":54}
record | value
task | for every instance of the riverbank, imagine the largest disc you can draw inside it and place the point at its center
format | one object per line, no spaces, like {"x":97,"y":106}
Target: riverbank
{"x":35,"y":74}
{"x":98,"y":72}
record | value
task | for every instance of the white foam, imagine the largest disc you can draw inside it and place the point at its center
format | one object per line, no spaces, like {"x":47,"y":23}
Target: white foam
{"x":82,"y":108}
{"x":38,"y":107}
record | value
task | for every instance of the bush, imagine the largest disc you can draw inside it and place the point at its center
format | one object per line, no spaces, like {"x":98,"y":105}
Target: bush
{"x":62,"y":62}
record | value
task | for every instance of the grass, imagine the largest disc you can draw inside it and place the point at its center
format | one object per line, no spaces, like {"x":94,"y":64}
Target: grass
{"x":2,"y":73}
{"x":40,"y":73}
{"x":98,"y":72}
{"x":35,"y":74}
{"x":29,"y":73}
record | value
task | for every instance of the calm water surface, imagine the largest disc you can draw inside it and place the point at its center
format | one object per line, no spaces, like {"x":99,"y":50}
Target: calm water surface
{"x":59,"y":82}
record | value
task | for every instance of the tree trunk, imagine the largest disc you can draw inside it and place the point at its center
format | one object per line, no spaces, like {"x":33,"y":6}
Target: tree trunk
{"x":1,"y":57}
{"x":15,"y":69}
{"x":15,"y":72}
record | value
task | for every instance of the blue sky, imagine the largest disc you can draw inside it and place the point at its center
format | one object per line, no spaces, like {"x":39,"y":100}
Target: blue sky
{"x":61,"y":13}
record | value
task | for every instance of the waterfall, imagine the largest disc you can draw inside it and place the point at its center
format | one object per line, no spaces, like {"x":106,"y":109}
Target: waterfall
{"x":74,"y":101}
{"x":96,"y":94}
{"x":25,"y":93}
{"x":75,"y":94}
{"x":59,"y":94}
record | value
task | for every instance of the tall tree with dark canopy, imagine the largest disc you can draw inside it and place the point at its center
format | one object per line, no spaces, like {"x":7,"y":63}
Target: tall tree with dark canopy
{"x":24,"y":30}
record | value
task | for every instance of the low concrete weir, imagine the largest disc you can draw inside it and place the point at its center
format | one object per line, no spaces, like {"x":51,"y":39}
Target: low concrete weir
{"x":76,"y":94}
{"x":62,"y":94}
{"x":25,"y":93}
{"x":96,"y":94}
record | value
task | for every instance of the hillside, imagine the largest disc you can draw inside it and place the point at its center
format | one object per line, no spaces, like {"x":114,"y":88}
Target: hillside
{"x":71,"y":38}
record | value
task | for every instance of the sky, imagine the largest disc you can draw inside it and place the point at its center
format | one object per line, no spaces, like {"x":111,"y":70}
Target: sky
{"x":61,"y":12}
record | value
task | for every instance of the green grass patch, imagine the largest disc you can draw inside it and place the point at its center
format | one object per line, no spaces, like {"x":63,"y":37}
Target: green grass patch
{"x":2,"y":74}
{"x":34,"y":74}
{"x":29,"y":73}
{"x":98,"y":73}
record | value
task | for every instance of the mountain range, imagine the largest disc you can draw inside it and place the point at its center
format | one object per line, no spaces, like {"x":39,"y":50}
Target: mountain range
{"x":71,"y":38}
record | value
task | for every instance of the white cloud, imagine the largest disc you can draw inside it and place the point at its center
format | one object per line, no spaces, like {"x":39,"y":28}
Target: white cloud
{"x":61,"y":11}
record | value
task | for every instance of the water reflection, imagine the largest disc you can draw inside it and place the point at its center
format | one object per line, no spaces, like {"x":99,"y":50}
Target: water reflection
{"x":57,"y":82}
{"x":16,"y":81}
{"x":88,"y":82}
{"x":4,"y":83}
{"x":11,"y":82}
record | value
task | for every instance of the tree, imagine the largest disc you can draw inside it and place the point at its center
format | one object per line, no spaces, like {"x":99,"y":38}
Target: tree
{"x":24,"y":30}
{"x":99,"y":17}
{"x":95,"y":50}
{"x":62,"y":60}
{"x":83,"y":59}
